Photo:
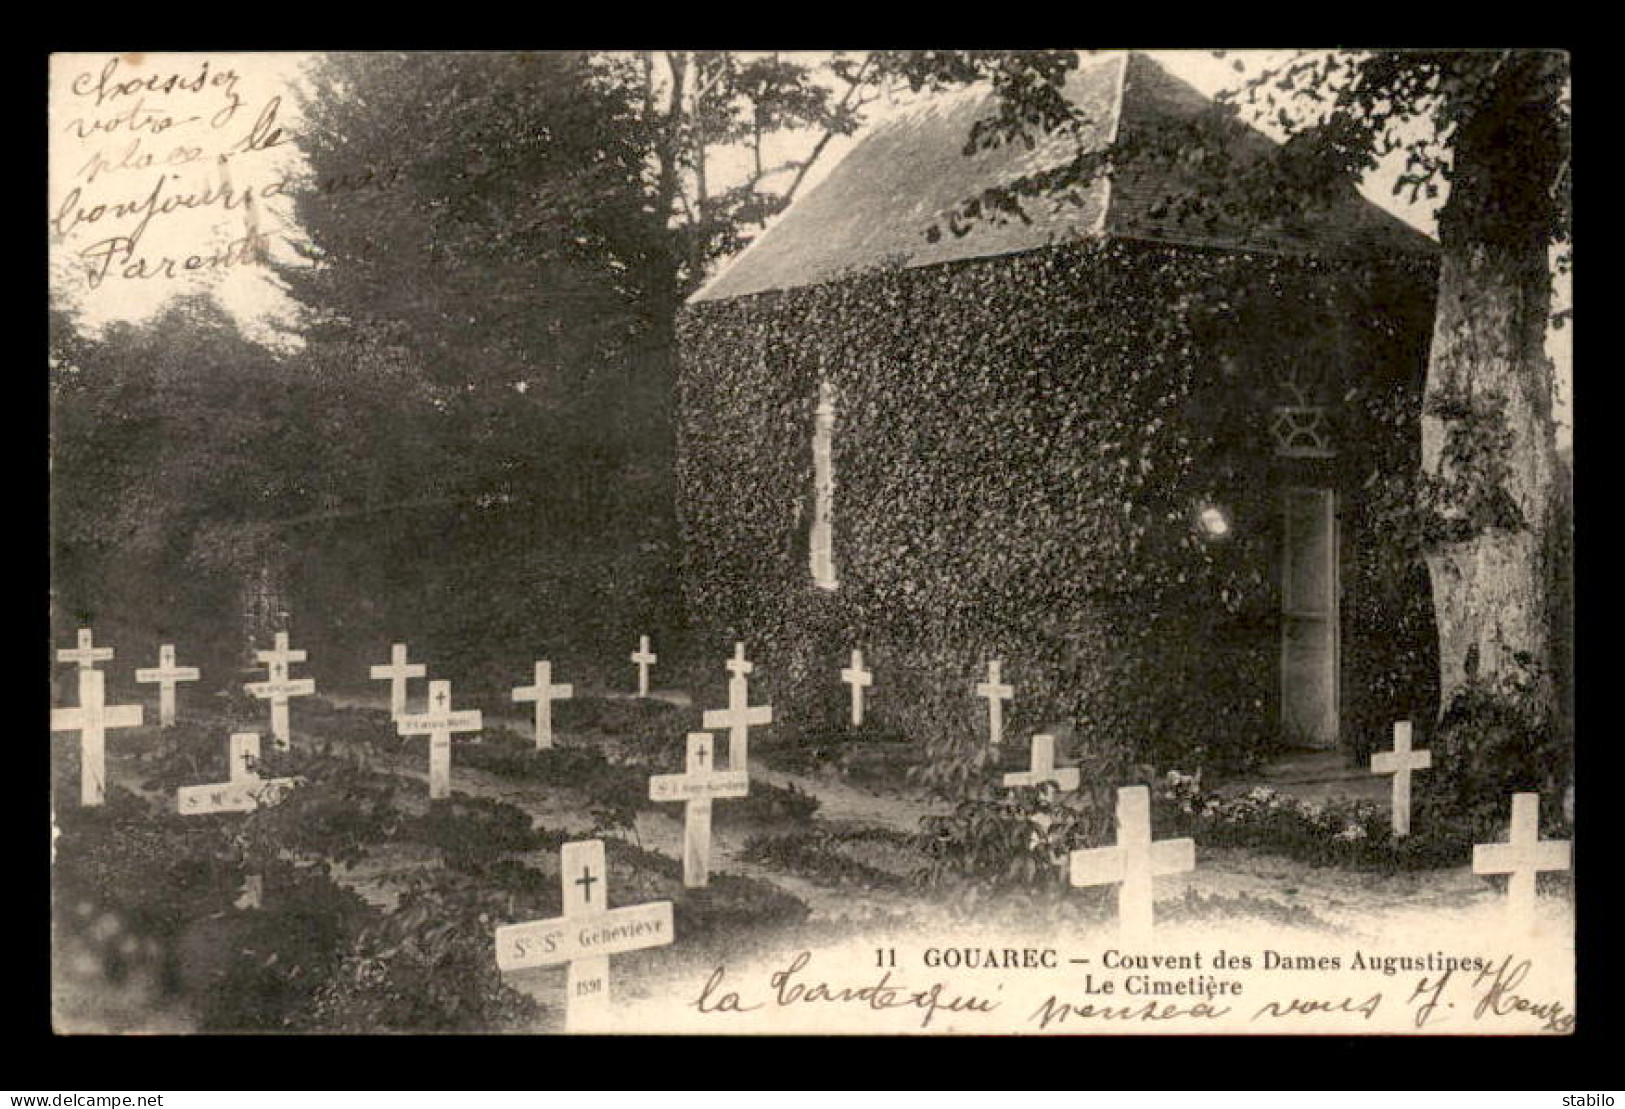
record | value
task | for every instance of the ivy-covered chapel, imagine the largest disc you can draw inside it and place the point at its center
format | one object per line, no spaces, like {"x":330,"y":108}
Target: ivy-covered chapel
{"x":1138,"y":451}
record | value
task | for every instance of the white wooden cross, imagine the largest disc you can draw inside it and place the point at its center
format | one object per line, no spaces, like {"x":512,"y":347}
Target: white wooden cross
{"x":396,"y":671}
{"x":438,"y":723}
{"x":644,"y":659}
{"x":1524,"y":854}
{"x":87,"y":654}
{"x":166,"y":675}
{"x":281,"y":653}
{"x":278,"y":687}
{"x":1044,"y":768}
{"x":739,"y":666}
{"x":739,"y":715}
{"x":1133,"y":863}
{"x":857,"y":677}
{"x":243,"y":791}
{"x":1400,"y":762}
{"x":91,"y":719}
{"x":585,"y":936}
{"x":996,"y":693}
{"x":697,"y":787}
{"x":544,"y":692}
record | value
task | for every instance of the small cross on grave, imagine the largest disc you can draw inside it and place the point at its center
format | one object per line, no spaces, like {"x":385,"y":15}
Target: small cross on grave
{"x":396,"y":672}
{"x":279,"y":687}
{"x":739,"y":716}
{"x":996,"y":693}
{"x":858,"y":678}
{"x":1044,"y":769}
{"x":697,"y":787}
{"x":1133,"y":863}
{"x":644,"y":659}
{"x":166,"y":675}
{"x":91,"y":719}
{"x":86,"y":654}
{"x":1521,"y":857}
{"x":281,"y":652}
{"x":243,"y":791}
{"x":585,"y":936}
{"x":438,"y":724}
{"x":1401,"y":762}
{"x":544,"y":693}
{"x":739,"y":666}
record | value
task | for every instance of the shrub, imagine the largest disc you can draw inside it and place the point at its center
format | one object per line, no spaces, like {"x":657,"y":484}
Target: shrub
{"x":426,"y":967}
{"x":1495,"y":740}
{"x":828,"y":857}
{"x":1348,"y":833}
{"x":159,"y":895}
{"x":1010,"y":838}
{"x":472,"y":831}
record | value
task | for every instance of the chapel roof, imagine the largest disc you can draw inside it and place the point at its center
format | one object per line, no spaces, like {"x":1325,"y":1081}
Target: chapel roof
{"x":874,"y":207}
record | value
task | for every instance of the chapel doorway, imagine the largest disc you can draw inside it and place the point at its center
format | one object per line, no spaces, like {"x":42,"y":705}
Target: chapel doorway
{"x":1309,"y":617}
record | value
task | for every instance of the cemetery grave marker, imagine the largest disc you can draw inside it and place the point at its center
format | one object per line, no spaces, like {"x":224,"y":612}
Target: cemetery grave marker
{"x":585,"y":936}
{"x":1400,"y":762}
{"x":1043,"y":768}
{"x":739,"y":715}
{"x":739,"y":666}
{"x":996,"y":693}
{"x":243,"y":791}
{"x":1521,"y":857}
{"x":858,"y":678}
{"x":279,"y":687}
{"x":86,"y":654}
{"x":438,"y":723}
{"x":166,"y":675}
{"x":91,"y":719}
{"x":644,"y":660}
{"x":396,"y":671}
{"x":544,"y":692}
{"x":1133,"y":863}
{"x":697,"y":787}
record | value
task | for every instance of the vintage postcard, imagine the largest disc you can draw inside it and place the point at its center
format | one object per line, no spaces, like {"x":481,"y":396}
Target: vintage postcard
{"x":849,"y":542}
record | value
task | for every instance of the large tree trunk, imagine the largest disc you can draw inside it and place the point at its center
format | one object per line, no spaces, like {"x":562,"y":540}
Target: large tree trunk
{"x":1488,"y":436}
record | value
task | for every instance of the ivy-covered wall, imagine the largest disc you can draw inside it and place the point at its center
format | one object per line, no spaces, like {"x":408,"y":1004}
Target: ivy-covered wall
{"x":1021,"y":448}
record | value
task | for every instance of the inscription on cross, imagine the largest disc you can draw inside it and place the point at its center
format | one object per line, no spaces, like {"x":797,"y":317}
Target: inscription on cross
{"x":86,"y":653}
{"x":644,"y":659}
{"x":243,"y":791}
{"x":166,"y":675}
{"x":438,"y":724}
{"x":1133,"y":863}
{"x":1522,"y":857}
{"x":996,"y":693}
{"x":91,"y":719}
{"x":544,"y":693}
{"x":279,"y":687}
{"x":1401,"y":762}
{"x":1043,"y":768}
{"x":739,"y":716}
{"x":697,"y":787}
{"x":585,"y":936}
{"x":397,"y":671}
{"x":859,"y":679}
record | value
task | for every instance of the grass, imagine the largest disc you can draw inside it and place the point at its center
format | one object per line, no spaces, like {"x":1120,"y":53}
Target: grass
{"x":837,"y":858}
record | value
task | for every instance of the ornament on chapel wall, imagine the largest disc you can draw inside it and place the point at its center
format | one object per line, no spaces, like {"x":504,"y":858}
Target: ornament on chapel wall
{"x":1301,"y":420}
